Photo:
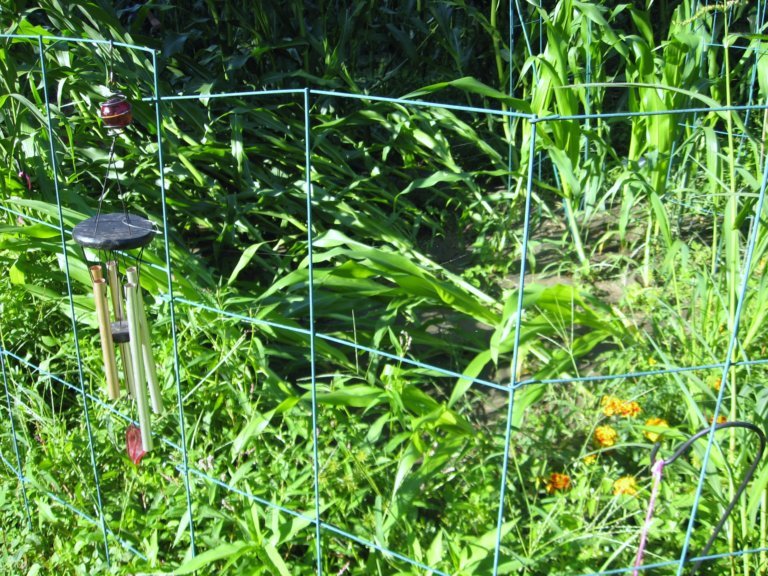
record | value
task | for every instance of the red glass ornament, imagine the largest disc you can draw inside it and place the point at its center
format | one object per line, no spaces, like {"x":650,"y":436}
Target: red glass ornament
{"x":116,"y":112}
{"x":133,"y":443}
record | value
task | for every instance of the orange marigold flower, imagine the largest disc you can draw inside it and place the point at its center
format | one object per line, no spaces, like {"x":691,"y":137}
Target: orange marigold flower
{"x":613,"y":406}
{"x":606,"y":436}
{"x":631,"y":409}
{"x":625,"y":485}
{"x":558,"y":483}
{"x":657,"y":422}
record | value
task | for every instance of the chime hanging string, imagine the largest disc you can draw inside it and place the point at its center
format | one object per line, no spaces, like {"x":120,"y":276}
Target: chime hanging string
{"x":111,"y":158}
{"x":110,"y":79}
{"x":110,"y":161}
{"x":656,"y":468}
{"x":110,"y":63}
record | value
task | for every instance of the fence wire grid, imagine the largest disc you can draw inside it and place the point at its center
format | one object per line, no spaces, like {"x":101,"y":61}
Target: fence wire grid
{"x":305,"y":327}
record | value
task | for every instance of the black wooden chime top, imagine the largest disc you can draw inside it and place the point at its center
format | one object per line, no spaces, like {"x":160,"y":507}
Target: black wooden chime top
{"x":114,"y":231}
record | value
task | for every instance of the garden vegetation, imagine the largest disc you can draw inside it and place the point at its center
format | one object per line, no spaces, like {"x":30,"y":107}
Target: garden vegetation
{"x":644,"y":275}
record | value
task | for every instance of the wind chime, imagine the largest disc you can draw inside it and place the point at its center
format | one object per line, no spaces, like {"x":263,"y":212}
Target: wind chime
{"x":111,"y":235}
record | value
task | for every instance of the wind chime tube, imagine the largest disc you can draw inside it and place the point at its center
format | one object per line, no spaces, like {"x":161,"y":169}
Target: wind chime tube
{"x":150,"y":370}
{"x":114,"y":291}
{"x":149,"y":361}
{"x":105,"y":334}
{"x":117,"y":306}
{"x":138,"y":370}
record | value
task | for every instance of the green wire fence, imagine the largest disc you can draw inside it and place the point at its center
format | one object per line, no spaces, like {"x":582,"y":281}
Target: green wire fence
{"x":310,"y":317}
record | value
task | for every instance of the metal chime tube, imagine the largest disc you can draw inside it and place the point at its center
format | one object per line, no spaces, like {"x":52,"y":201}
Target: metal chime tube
{"x":150,"y":370}
{"x":105,"y":332}
{"x":131,"y":311}
{"x":117,"y":306}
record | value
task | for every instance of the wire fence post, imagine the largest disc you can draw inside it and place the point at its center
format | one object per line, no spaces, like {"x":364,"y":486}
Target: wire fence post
{"x":513,"y":385}
{"x":171,"y":304}
{"x":311,"y":297}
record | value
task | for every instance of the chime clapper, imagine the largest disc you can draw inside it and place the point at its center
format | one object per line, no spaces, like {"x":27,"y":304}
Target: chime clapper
{"x":117,"y":306}
{"x":134,"y":330}
{"x":105,"y":333}
{"x":150,"y":369}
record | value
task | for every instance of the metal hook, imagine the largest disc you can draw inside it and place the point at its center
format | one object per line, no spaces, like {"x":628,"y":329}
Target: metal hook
{"x":111,"y":72}
{"x":685,"y":446}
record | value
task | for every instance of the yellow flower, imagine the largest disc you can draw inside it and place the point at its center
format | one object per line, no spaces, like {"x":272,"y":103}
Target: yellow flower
{"x":613,"y":406}
{"x":631,"y":409}
{"x":658,"y":422}
{"x":610,"y":405}
{"x":625,"y":485}
{"x":717,"y":384}
{"x":720,"y":419}
{"x":558,"y":483}
{"x":606,"y":436}
{"x":589,"y":459}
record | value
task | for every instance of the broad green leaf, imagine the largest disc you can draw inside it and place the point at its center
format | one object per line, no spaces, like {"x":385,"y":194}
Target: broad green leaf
{"x":375,"y":430}
{"x":436,"y":178}
{"x":524,"y":398}
{"x":26,"y":28}
{"x":222,"y":552}
{"x":40,"y":231}
{"x":355,"y":395}
{"x":407,"y":461}
{"x":594,"y":13}
{"x":256,"y":425}
{"x":435,"y":550}
{"x":245,"y":259}
{"x":16,"y":276}
{"x":29,"y":105}
{"x":277,"y":561}
{"x":472,"y":85}
{"x":473,"y":370}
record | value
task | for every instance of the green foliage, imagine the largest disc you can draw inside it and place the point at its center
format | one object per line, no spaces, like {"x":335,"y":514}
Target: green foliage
{"x":635,"y":263}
